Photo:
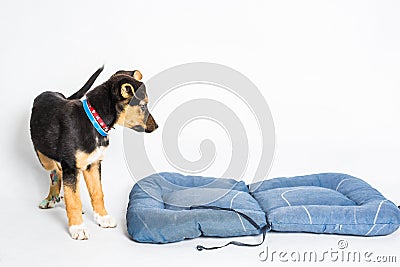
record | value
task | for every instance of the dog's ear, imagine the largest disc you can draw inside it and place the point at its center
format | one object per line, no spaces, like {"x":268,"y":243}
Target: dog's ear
{"x":127,"y":90}
{"x":137,"y":75}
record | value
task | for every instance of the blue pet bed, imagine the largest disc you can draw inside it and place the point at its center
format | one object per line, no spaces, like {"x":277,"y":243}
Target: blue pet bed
{"x":326,"y":203}
{"x":170,"y":207}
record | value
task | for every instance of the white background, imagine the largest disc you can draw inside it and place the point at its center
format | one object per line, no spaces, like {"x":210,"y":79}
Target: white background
{"x":329,"y":71}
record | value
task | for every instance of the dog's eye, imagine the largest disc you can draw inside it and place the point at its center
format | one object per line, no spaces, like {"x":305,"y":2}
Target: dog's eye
{"x":143,"y":107}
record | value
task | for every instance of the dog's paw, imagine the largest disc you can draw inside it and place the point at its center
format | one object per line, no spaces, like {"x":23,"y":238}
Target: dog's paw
{"x":49,"y":203}
{"x":79,"y":232}
{"x":106,"y":221}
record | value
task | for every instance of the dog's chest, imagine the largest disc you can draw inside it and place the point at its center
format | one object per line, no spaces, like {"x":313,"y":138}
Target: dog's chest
{"x":96,"y":155}
{"x":84,"y":159}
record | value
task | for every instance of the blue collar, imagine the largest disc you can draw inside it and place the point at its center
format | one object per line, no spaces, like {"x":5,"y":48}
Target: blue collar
{"x":90,"y":113}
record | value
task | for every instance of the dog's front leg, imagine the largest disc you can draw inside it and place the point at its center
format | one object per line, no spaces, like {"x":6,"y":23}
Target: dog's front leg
{"x":92,"y":176}
{"x":73,"y":202}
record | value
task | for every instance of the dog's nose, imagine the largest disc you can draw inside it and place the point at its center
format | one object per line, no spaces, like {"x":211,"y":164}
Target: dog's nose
{"x":151,"y":128}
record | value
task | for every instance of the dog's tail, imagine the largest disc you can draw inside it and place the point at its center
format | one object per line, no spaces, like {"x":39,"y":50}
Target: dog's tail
{"x":87,"y":85}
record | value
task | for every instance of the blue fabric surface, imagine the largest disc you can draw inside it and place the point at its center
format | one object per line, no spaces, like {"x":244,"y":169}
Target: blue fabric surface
{"x":158,"y":209}
{"x":326,"y":203}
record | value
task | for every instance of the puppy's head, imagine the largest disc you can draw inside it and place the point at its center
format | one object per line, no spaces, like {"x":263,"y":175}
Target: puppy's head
{"x":131,"y":101}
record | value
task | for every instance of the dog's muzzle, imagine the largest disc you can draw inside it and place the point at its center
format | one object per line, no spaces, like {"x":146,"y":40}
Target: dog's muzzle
{"x":138,"y":128}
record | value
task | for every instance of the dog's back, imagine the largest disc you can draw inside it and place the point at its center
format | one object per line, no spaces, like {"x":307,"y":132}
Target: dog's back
{"x":49,"y":112}
{"x":44,"y":123}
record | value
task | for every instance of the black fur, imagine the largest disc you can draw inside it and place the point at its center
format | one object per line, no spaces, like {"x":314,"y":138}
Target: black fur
{"x":59,"y":126}
{"x":86,"y":87}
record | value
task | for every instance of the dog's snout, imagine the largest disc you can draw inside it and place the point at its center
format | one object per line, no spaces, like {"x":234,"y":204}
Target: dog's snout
{"x":151,"y":128}
{"x":151,"y":124}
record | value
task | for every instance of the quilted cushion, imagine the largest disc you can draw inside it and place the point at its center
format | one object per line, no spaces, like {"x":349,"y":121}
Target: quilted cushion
{"x":159,"y":208}
{"x":326,"y":203}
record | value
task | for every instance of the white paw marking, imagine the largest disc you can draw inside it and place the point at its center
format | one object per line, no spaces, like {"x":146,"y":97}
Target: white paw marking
{"x":79,"y":232}
{"x":52,"y":203}
{"x":106,"y":221}
{"x":47,"y":204}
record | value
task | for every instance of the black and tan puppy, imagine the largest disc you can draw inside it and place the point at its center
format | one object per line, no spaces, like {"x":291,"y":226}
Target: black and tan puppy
{"x":70,"y":136}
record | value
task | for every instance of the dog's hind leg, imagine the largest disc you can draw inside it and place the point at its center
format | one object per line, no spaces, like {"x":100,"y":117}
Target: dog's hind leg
{"x":54,"y":192}
{"x":55,"y":181}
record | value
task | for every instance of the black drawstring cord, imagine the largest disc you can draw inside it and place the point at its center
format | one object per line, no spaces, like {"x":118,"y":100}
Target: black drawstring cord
{"x":263,"y":229}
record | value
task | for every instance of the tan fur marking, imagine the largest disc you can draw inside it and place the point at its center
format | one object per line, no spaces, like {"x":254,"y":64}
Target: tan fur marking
{"x":73,"y":204}
{"x":93,"y":184}
{"x":51,"y":165}
{"x":46,"y":162}
{"x":125,"y":88}
{"x":55,"y":187}
{"x":137,"y":75}
{"x":121,"y":117}
{"x":83,"y":159}
{"x":131,"y":116}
